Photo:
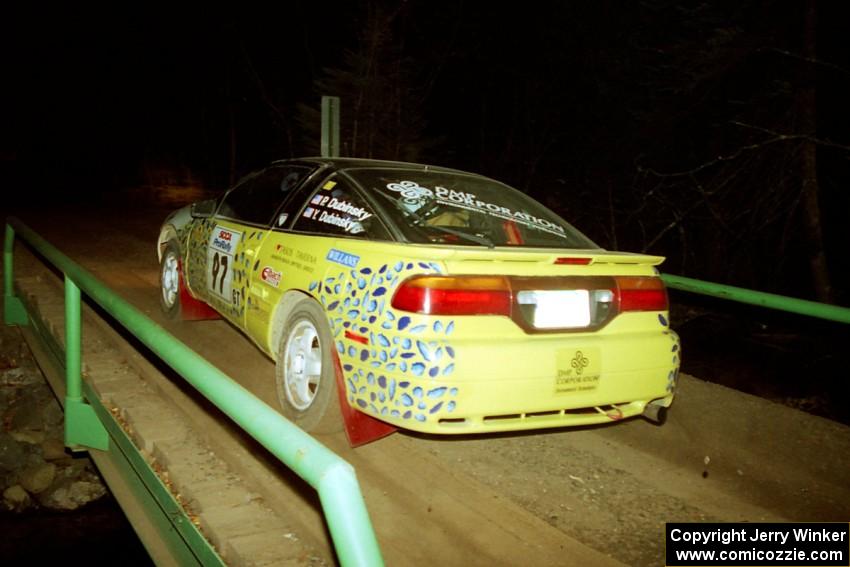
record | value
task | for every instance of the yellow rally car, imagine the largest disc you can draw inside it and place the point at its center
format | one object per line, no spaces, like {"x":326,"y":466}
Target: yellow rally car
{"x":426,"y":298}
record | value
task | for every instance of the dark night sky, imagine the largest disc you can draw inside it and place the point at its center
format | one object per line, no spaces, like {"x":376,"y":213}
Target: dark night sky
{"x":580,"y":104}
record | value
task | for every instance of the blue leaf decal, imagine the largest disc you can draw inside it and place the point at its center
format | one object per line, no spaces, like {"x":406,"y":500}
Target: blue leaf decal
{"x":436,"y":408}
{"x":407,"y":414}
{"x":337,"y":288}
{"x":417,"y":391}
{"x":382,"y":397}
{"x":352,"y":351}
{"x":372,"y":319}
{"x":333,"y":305}
{"x":328,"y":289}
{"x":403,"y":366}
{"x":383,"y":269}
{"x":366,"y":271}
{"x":662,"y":319}
{"x":386,"y":325}
{"x":373,"y":396}
{"x":408,"y":354}
{"x":346,"y":324}
{"x":353,"y":314}
{"x":418,"y":328}
{"x":450,"y":407}
{"x":419,"y":417}
{"x":390,"y":316}
{"x":393,"y":352}
{"x":406,"y":400}
{"x":434,"y":371}
{"x":449,"y":369}
{"x":383,"y":356}
{"x":370,"y":379}
{"x":403,"y":323}
{"x":438,"y":326}
{"x":424,"y":266}
{"x":423,"y":348}
{"x":365,"y":330}
{"x":450,"y":350}
{"x":362,"y":403}
{"x":364,"y":354}
{"x":347,"y":367}
{"x":379,"y":291}
{"x":313,"y":285}
{"x":398,"y":266}
{"x":372,"y":305}
{"x":340,"y":347}
{"x":438,"y":354}
{"x":422,"y":405}
{"x":453,"y":391}
{"x":417,"y":368}
{"x":392,"y":388}
{"x":450,"y":327}
{"x":382,"y":381}
{"x":437,"y":392}
{"x":404,"y":384}
{"x":395,"y":413}
{"x":391,"y":366}
{"x":383,"y":340}
{"x":361,"y":283}
{"x":410,"y":266}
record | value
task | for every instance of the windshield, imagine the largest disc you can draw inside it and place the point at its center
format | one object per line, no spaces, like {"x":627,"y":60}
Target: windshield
{"x":457,"y":208}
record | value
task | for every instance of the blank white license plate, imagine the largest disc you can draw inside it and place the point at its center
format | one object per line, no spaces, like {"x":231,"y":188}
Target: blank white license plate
{"x":561,"y":308}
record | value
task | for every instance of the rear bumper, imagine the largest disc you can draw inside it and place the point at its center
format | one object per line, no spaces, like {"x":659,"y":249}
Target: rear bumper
{"x":529,"y":385}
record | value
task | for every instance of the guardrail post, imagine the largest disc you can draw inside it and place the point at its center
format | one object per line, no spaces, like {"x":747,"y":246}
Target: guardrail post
{"x":14,"y":312}
{"x":83,"y":429}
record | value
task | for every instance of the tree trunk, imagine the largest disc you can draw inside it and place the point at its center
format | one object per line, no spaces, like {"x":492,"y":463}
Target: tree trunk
{"x":807,"y":104}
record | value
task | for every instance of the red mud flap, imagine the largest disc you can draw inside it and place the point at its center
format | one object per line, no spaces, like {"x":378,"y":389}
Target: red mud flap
{"x":359,"y":427}
{"x":192,"y":309}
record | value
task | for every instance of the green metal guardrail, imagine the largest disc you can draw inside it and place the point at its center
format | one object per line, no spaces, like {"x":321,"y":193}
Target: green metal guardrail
{"x":770,"y":300}
{"x":333,"y":478}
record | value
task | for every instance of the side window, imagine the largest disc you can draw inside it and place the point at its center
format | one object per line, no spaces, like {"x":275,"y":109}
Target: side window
{"x":257,"y":198}
{"x":336,"y":208}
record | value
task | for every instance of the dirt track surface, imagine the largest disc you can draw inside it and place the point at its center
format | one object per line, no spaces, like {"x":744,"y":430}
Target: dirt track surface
{"x":568,"y":497}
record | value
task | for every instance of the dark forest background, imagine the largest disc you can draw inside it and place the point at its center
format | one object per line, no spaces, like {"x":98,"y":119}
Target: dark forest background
{"x":713,"y":133}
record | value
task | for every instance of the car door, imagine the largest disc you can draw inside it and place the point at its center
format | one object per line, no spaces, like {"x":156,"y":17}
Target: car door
{"x":222,"y":254}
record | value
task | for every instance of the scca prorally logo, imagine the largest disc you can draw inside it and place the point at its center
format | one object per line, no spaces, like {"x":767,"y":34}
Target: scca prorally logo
{"x":579,"y":362}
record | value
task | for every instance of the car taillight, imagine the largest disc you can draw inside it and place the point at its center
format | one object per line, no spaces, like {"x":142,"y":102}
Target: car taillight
{"x":459,"y":295}
{"x":641,"y":294}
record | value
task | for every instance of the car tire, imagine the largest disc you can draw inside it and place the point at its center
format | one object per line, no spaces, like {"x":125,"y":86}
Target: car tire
{"x":170,"y":280}
{"x":305,"y":375}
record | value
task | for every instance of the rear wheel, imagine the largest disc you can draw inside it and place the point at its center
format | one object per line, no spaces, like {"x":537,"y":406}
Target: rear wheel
{"x":305,"y":373}
{"x":169,"y":280}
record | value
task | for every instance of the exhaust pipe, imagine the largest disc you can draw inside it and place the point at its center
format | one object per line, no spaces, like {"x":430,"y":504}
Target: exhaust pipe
{"x":655,"y":413}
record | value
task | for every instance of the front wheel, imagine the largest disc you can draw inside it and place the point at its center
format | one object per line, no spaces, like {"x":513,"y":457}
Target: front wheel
{"x":169,"y":280}
{"x":304,"y":374}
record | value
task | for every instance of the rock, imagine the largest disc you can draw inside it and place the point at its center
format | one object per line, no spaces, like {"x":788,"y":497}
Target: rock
{"x":53,"y":449}
{"x":30,"y":436}
{"x":38,"y":478}
{"x":25,"y":413}
{"x":70,"y":495}
{"x":12,"y":454}
{"x":51,"y":414}
{"x":16,"y":498}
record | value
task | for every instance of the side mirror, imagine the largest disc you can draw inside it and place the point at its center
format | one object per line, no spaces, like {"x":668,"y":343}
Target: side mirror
{"x":203,"y":209}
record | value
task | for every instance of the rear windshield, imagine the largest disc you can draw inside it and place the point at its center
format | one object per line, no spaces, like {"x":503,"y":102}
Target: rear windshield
{"x":457,"y":208}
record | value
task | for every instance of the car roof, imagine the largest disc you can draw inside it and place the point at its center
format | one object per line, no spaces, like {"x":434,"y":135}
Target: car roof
{"x":340,"y":163}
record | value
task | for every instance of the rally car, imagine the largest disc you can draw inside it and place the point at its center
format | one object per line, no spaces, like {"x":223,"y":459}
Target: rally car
{"x":422,"y":297}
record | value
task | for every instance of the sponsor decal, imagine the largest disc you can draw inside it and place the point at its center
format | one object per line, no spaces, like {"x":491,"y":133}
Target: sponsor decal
{"x":578,"y":371}
{"x":344,"y":258}
{"x":415,"y":196}
{"x":329,"y":185}
{"x":270,"y":276}
{"x":224,"y":240}
{"x":308,"y":213}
